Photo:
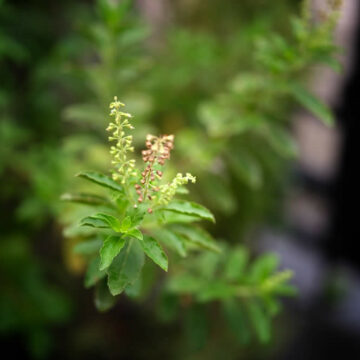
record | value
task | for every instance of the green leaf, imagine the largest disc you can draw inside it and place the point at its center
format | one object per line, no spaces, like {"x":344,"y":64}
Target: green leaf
{"x":136,"y":215}
{"x":173,"y":240}
{"x":207,"y":264}
{"x":285,"y":290}
{"x":260,"y":321}
{"x":235,"y":266}
{"x":275,"y":281}
{"x":169,"y":217}
{"x":189,"y":208}
{"x":263,"y":267}
{"x":299,"y":28}
{"x":236,"y":319}
{"x":223,"y":198}
{"x":134,"y":290}
{"x":94,"y":222}
{"x":88,"y":247}
{"x":154,"y":251}
{"x":112,"y":221}
{"x":185,"y":283}
{"x":197,"y":236}
{"x":272,"y":305}
{"x":87,"y":199}
{"x":121,"y":203}
{"x":209,"y":114}
{"x":135,"y":233}
{"x":78,"y":231}
{"x":93,"y":274}
{"x":247,"y":168}
{"x":215,"y":291}
{"x":331,"y":62}
{"x":126,"y":224}
{"x":312,"y":104}
{"x":103,"y":299}
{"x":111,"y":247}
{"x":101,"y":180}
{"x":125,"y":268}
{"x":281,"y":141}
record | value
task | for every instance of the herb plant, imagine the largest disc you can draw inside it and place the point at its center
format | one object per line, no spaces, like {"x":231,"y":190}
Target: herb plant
{"x":144,"y":217}
{"x":140,"y":205}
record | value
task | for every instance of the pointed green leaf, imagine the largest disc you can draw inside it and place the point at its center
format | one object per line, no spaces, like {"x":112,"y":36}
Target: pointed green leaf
{"x":112,"y":221}
{"x":173,"y":240}
{"x":236,"y":319}
{"x":101,"y":180}
{"x":216,"y":290}
{"x":134,"y":290}
{"x":247,"y":168}
{"x":311,"y":103}
{"x":121,"y":203}
{"x":137,"y":234}
{"x":103,"y":299}
{"x":169,"y":217}
{"x":223,"y":198}
{"x":236,"y":263}
{"x":154,"y":251}
{"x":94,"y":222}
{"x":93,"y":274}
{"x":263,"y":267}
{"x":189,"y":208}
{"x":126,"y":267}
{"x":260,"y":321}
{"x":126,"y":224}
{"x":87,"y":199}
{"x":207,"y":264}
{"x":111,"y":247}
{"x":197,"y":236}
{"x":88,"y":247}
{"x":136,"y":215}
{"x":330,"y":61}
{"x":185,"y":284}
{"x":281,"y":141}
{"x":272,"y":304}
{"x":276,"y":280}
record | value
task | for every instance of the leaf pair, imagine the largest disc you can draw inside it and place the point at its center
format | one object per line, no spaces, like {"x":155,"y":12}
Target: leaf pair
{"x":107,"y":221}
{"x":125,"y":268}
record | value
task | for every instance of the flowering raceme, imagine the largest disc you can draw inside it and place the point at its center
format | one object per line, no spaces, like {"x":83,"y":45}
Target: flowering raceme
{"x":149,"y":188}
{"x":123,"y":167}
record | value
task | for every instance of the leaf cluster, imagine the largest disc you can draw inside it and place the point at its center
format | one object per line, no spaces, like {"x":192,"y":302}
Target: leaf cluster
{"x":248,"y":290}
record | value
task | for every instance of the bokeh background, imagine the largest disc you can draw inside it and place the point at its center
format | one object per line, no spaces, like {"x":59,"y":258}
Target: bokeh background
{"x":193,"y":68}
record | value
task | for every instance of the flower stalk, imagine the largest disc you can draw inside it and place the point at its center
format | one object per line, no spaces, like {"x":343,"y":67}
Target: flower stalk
{"x":123,"y":168}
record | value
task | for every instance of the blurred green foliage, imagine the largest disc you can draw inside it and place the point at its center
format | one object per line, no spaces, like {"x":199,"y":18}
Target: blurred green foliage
{"x":223,"y":76}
